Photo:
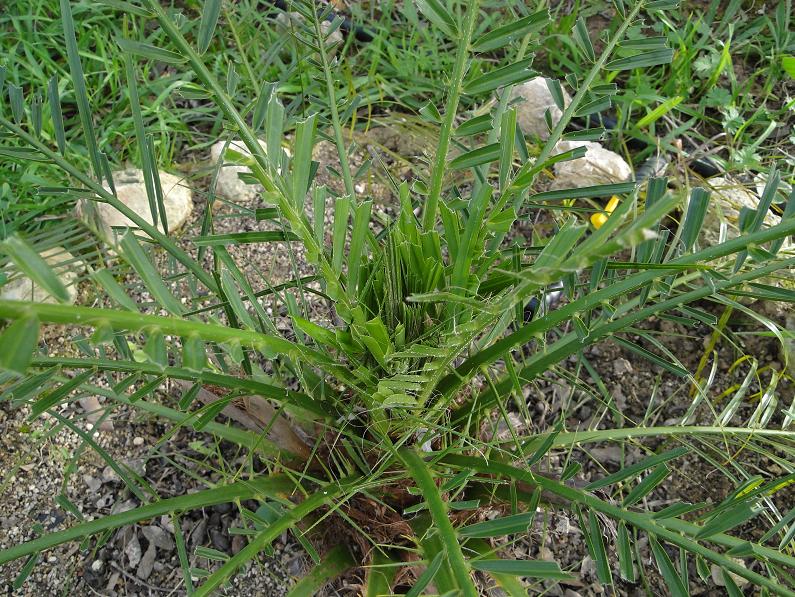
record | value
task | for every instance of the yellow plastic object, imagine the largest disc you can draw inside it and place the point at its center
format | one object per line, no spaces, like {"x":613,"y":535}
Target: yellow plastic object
{"x":598,"y":219}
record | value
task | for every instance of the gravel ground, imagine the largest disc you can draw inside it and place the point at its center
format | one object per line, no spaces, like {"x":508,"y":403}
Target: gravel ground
{"x":142,"y":560}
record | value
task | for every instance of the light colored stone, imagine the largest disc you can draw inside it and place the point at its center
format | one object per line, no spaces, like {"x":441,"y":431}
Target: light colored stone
{"x":94,"y":412}
{"x":131,"y":190}
{"x":291,"y":22}
{"x":22,"y":288}
{"x":598,"y":166}
{"x":147,"y":563}
{"x":133,"y":551}
{"x":533,"y":100}
{"x":717,"y":575}
{"x":335,"y":38}
{"x":228,"y":184}
{"x":727,"y":199}
{"x":157,"y":536}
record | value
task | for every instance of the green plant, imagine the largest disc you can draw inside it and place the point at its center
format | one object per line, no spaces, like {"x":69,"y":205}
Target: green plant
{"x":401,"y":387}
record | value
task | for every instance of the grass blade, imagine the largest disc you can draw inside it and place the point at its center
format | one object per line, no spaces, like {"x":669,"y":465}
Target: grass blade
{"x":427,"y":576}
{"x":210,"y":13}
{"x":135,"y":256}
{"x":17,"y":344}
{"x":78,"y":80}
{"x":34,"y":267}
{"x":242,"y":490}
{"x":667,"y":569}
{"x":438,"y":509}
{"x":506,"y":525}
{"x":529,"y":568}
{"x":334,"y":563}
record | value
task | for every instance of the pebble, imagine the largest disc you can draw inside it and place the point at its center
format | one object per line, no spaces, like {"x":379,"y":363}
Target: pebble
{"x":92,"y":483}
{"x":131,"y":190}
{"x":158,"y":537}
{"x":533,"y":100}
{"x":220,"y":540}
{"x":147,"y":563}
{"x":133,"y":551}
{"x":598,"y":166}
{"x":138,"y":441}
{"x":109,"y":475}
{"x":228,"y":184}
{"x":22,"y":288}
{"x":97,"y":565}
{"x":622,"y":366}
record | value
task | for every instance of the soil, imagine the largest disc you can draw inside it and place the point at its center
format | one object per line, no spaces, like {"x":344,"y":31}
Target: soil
{"x":142,"y":560}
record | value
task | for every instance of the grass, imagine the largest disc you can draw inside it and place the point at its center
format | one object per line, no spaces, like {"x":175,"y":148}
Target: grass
{"x":392,"y":402}
{"x":727,"y":82}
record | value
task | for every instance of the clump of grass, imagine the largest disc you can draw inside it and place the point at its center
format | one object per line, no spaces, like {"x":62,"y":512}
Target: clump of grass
{"x":388,"y":404}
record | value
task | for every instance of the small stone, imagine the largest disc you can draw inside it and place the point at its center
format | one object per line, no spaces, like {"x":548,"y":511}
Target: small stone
{"x":717,"y":575}
{"x":533,"y":100}
{"x":94,"y":412}
{"x":228,"y":184}
{"x":610,"y":454}
{"x":504,"y":428}
{"x":131,"y":190}
{"x":220,"y":540}
{"x":622,"y":366}
{"x":97,"y":565}
{"x":290,"y":22}
{"x":167,"y":524}
{"x":223,"y":508}
{"x":92,"y":483}
{"x":238,"y":543}
{"x":137,"y":465}
{"x":138,"y":441}
{"x":109,"y":475}
{"x":598,"y":166}
{"x":198,"y":533}
{"x":21,"y":288}
{"x":728,"y":198}
{"x":147,"y":563}
{"x":133,"y":551}
{"x":335,"y":38}
{"x":544,"y":553}
{"x":295,"y":567}
{"x":158,"y":537}
{"x":120,"y":507}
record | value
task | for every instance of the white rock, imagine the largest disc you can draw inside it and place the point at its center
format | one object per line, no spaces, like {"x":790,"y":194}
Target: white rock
{"x":131,"y":190}
{"x":598,"y":166}
{"x":717,"y":575}
{"x":22,"y":288}
{"x":727,"y":199}
{"x":336,"y":36}
{"x":154,"y":534}
{"x":138,"y":441}
{"x":534,"y":99}
{"x":292,"y":22}
{"x":133,"y":551}
{"x":228,"y":185}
